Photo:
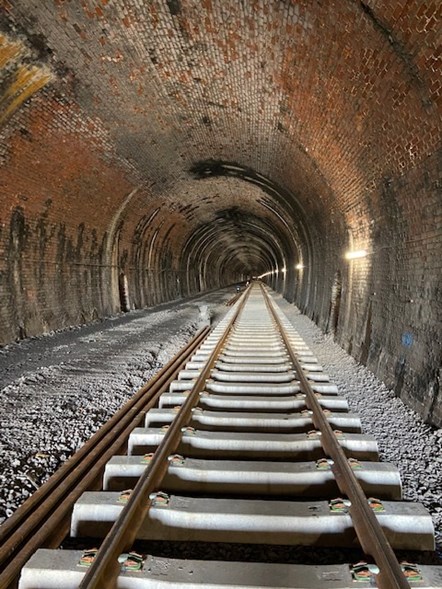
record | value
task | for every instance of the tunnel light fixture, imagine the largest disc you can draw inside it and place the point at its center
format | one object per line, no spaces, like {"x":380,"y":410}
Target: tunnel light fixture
{"x":354,"y":255}
{"x":299,"y":267}
{"x":284,"y":270}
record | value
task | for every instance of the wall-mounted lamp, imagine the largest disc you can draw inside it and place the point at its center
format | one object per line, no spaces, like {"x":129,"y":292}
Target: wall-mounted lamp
{"x":299,"y":266}
{"x":284,"y":270}
{"x":354,"y":255}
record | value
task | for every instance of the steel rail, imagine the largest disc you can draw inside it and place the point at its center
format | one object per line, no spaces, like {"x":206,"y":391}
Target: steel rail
{"x":104,"y":570}
{"x":369,"y":531}
{"x":233,"y":300}
{"x":43,"y":520}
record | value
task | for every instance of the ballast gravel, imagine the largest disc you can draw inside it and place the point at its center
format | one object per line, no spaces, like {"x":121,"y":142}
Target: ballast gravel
{"x":57,"y":390}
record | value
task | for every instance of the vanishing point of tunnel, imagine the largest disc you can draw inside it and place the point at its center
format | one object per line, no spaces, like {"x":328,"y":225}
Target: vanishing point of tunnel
{"x":152,"y":150}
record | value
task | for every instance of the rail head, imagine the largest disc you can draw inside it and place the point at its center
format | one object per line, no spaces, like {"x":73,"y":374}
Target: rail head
{"x":369,"y":531}
{"x":43,"y":519}
{"x":104,"y":570}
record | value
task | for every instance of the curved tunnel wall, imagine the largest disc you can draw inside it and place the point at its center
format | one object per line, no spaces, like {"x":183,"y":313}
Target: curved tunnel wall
{"x":189,"y":145}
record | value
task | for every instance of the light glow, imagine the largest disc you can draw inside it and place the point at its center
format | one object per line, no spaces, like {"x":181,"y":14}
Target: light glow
{"x":299,"y":266}
{"x":354,"y":255}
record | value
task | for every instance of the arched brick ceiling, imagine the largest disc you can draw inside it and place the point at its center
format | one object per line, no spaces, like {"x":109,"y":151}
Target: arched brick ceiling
{"x":323,"y":99}
{"x":279,"y":131}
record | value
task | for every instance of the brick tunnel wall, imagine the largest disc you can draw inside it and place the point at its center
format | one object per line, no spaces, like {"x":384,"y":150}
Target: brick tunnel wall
{"x":402,"y":324}
{"x":53,"y":232}
{"x":389,"y":315}
{"x":106,"y":110}
{"x":63,"y":243}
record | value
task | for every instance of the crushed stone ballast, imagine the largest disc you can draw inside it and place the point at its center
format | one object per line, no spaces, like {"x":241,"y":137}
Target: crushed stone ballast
{"x":251,"y":444}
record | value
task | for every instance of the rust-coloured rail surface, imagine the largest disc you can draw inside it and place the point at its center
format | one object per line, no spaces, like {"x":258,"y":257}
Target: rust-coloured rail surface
{"x":369,"y":531}
{"x":104,"y":571}
{"x":43,"y":520}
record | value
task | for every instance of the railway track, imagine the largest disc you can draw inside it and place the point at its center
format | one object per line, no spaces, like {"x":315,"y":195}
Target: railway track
{"x":242,"y":440}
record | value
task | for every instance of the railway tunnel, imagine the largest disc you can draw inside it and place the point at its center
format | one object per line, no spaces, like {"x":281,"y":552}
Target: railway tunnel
{"x":153,"y":151}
